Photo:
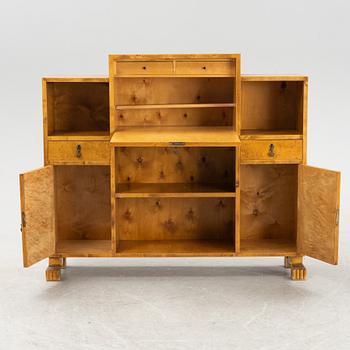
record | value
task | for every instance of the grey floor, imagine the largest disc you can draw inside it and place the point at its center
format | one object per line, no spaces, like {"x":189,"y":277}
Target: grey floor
{"x":175,"y":304}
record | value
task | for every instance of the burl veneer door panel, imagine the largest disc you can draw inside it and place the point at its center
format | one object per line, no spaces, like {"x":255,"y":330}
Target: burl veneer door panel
{"x":318,"y":213}
{"x":37,"y":209}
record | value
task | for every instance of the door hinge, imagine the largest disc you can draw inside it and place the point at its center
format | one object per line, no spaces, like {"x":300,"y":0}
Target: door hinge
{"x":23,"y":220}
{"x":337,"y":217}
{"x":237,"y":184}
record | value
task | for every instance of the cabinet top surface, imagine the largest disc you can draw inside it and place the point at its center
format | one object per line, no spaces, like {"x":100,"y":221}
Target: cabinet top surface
{"x":172,"y":56}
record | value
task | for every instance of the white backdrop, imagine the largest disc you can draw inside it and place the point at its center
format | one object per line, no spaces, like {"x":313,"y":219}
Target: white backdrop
{"x":44,"y":38}
{"x":252,"y":307}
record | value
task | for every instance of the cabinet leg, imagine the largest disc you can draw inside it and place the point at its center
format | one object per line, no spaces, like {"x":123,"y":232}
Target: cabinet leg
{"x":53,"y":271}
{"x":287,"y":262}
{"x":297,"y":269}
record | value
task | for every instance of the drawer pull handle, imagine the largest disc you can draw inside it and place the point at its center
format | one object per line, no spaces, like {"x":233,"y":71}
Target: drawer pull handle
{"x":78,"y":151}
{"x":177,"y":143}
{"x":271,"y":150}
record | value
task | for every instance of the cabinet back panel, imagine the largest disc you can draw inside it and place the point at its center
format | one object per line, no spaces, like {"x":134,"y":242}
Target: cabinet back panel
{"x":272,"y":105}
{"x":175,"y":218}
{"x":175,"y":165}
{"x":79,"y":106}
{"x":140,"y":91}
{"x":83,"y":202}
{"x":268,"y":201}
{"x":175,"y":117}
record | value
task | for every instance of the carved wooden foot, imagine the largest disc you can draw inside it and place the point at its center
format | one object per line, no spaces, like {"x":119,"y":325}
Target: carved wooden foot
{"x":297,"y":269}
{"x":287,"y":262}
{"x":53,"y":273}
{"x":57,"y":261}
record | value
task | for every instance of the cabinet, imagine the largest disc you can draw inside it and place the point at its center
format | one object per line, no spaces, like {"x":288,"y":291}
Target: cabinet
{"x":177,"y":155}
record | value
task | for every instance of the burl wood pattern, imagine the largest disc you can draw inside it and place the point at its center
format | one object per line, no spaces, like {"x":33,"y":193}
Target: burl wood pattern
{"x":272,"y":105}
{"x":38,"y":208}
{"x":272,"y":151}
{"x":268,"y":201}
{"x":318,"y":203}
{"x":175,"y":165}
{"x":141,"y":91}
{"x":220,"y":116}
{"x":78,"y":106}
{"x":91,"y":152}
{"x":83,"y":202}
{"x":175,"y":218}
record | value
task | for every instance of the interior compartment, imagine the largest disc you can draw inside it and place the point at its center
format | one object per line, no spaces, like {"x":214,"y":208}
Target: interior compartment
{"x":78,"y":108}
{"x":142,"y":170}
{"x":167,"y":117}
{"x":83,"y":208}
{"x":155,"y":91}
{"x":166,"y":226}
{"x":268,"y":209}
{"x":272,"y":106}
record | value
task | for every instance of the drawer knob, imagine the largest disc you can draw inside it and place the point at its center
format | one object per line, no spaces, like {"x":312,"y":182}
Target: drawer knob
{"x":144,"y":67}
{"x":204,"y":67}
{"x":78,"y":151}
{"x":271,"y":150}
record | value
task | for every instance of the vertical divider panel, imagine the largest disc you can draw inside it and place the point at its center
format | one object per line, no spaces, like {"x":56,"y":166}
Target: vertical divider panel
{"x":237,"y":97}
{"x":114,"y":234}
{"x":112,"y":102}
{"x":237,"y":236}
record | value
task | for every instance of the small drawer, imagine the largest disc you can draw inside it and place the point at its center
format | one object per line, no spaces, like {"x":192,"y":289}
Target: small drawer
{"x":272,"y":151}
{"x":78,"y":152}
{"x":205,"y":67}
{"x":144,"y":67}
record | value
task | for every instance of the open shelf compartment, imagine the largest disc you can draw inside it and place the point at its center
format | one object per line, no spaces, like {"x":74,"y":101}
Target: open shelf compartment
{"x":268,"y":209}
{"x":175,"y":171}
{"x":174,"y":101}
{"x":174,"y":227}
{"x":272,"y":106}
{"x":83,"y":210}
{"x":75,"y":108}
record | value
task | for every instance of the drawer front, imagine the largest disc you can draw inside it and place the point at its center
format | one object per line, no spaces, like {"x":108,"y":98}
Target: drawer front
{"x":78,"y":152}
{"x":272,"y":151}
{"x":205,"y":67}
{"x":144,"y":67}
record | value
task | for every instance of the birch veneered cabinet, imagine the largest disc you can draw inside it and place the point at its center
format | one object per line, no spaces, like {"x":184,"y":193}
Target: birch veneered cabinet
{"x":177,"y":155}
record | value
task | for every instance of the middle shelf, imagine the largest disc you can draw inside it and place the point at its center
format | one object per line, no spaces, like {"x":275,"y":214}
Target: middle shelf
{"x":142,"y":190}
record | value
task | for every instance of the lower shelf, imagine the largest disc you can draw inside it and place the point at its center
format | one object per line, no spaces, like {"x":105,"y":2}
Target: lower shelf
{"x":268,"y":247}
{"x":173,"y":248}
{"x":84,"y":248}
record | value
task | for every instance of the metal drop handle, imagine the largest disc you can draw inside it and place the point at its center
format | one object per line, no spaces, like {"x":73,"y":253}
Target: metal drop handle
{"x":78,"y":151}
{"x":271,"y":152}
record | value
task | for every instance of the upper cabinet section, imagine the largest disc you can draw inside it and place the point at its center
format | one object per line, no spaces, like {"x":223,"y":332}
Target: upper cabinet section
{"x":174,"y":90}
{"x":170,"y":65}
{"x":273,"y":106}
{"x":75,"y":108}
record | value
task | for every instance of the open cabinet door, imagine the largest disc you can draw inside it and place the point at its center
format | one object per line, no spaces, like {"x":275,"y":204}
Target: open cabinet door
{"x":37,"y":211}
{"x":318,"y":213}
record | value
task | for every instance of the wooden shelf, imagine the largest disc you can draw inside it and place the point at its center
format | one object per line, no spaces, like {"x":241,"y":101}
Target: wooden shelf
{"x":258,"y":134}
{"x":177,"y":105}
{"x":80,"y":135}
{"x":176,"y":136}
{"x":84,"y":248}
{"x":268,"y":247}
{"x":144,"y":190}
{"x":174,"y":248}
